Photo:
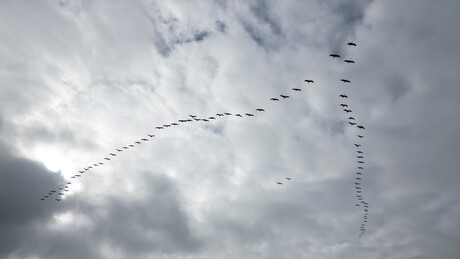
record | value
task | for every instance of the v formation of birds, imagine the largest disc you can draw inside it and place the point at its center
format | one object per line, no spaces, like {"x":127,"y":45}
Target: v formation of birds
{"x":358,"y":177}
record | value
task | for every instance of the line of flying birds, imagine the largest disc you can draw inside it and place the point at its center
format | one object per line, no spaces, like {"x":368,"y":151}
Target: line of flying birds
{"x":360,"y":154}
{"x":61,"y":191}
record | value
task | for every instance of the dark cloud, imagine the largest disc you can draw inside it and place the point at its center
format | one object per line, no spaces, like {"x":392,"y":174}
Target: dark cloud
{"x":22,"y":183}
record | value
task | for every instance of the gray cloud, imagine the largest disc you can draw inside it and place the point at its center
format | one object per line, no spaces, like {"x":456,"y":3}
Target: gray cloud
{"x":80,"y":79}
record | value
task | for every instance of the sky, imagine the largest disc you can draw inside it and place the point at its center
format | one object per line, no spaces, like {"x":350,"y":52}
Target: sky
{"x":80,"y":79}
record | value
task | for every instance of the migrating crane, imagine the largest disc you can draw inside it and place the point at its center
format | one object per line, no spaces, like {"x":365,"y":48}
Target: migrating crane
{"x":361,"y":127}
{"x":296,"y":89}
{"x":249,"y":114}
{"x":260,"y":110}
{"x":343,"y":96}
{"x":344,"y":105}
{"x":309,"y":81}
{"x":351,"y":43}
{"x":346,"y":110}
{"x":334,"y":55}
{"x":349,"y":61}
{"x":345,"y":80}
{"x":274,"y":99}
{"x":284,"y":96}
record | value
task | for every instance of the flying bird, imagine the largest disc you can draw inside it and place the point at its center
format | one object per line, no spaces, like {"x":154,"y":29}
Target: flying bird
{"x":227,"y":113}
{"x":359,"y":173}
{"x":351,"y":44}
{"x":349,"y":61}
{"x":280,"y":183}
{"x":344,"y":105}
{"x":167,"y":125}
{"x":211,"y":118}
{"x":352,"y":123}
{"x":112,"y":154}
{"x":249,"y":114}
{"x":149,"y":136}
{"x":288,"y":178}
{"x":351,"y":118}
{"x":346,"y":110}
{"x":360,"y":136}
{"x":359,"y":151}
{"x":357,"y":145}
{"x":361,"y":127}
{"x":260,"y":110}
{"x":144,"y":139}
{"x":359,"y":157}
{"x":343,"y":96}
{"x":219,"y":114}
{"x":296,"y":89}
{"x":334,"y":55}
{"x":193,"y":116}
{"x":274,"y":99}
{"x":284,"y":96}
{"x":106,"y":158}
{"x":345,"y":80}
{"x":360,"y":167}
{"x":360,"y":162}
{"x":238,"y":115}
{"x":309,"y":81}
{"x":137,"y":142}
{"x":159,"y":127}
{"x":358,"y":178}
{"x":205,"y":120}
{"x":174,"y":124}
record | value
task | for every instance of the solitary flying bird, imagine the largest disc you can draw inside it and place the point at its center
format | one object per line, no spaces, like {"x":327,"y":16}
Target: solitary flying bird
{"x":351,"y":44}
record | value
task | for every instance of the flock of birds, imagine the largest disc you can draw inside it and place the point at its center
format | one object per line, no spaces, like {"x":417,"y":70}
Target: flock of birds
{"x":361,"y":202}
{"x":59,"y":192}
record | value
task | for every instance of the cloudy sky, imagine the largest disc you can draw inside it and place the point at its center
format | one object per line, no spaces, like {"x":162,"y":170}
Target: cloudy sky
{"x":80,"y":79}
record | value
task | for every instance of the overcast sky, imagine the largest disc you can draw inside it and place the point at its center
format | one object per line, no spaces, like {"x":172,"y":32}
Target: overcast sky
{"x":79,"y":79}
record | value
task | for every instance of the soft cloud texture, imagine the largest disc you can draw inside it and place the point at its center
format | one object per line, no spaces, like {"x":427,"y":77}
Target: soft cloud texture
{"x":80,"y":79}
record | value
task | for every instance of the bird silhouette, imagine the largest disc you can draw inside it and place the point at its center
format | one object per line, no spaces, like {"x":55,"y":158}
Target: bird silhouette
{"x":334,"y":55}
{"x":351,"y":44}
